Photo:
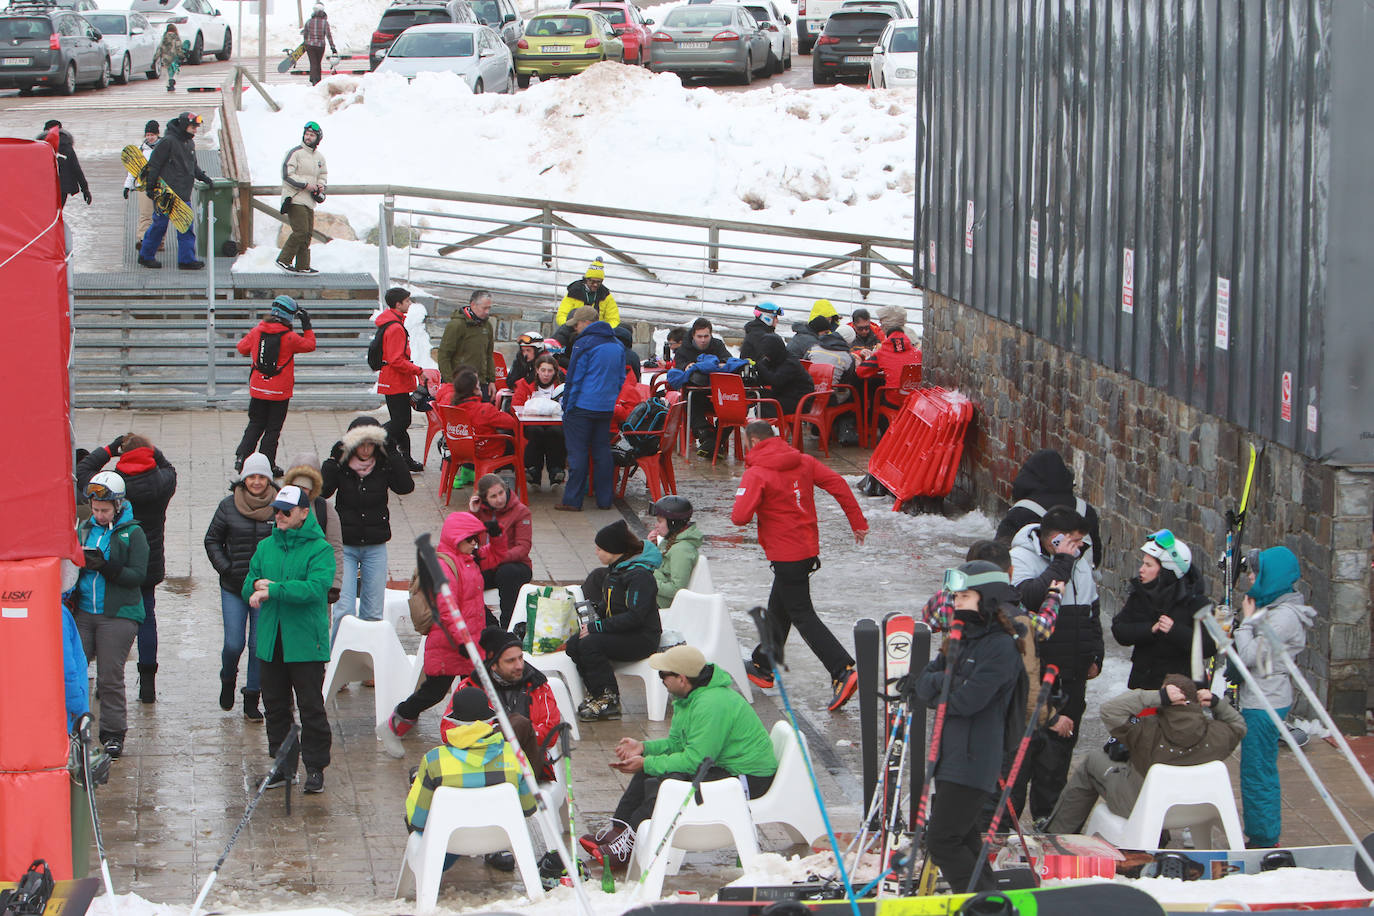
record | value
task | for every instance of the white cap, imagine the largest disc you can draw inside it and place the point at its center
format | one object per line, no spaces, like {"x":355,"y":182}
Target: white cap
{"x":290,"y":497}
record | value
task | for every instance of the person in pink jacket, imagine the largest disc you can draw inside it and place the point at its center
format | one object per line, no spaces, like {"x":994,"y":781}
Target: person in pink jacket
{"x":273,"y":345}
{"x":445,"y":659}
{"x":399,"y":376}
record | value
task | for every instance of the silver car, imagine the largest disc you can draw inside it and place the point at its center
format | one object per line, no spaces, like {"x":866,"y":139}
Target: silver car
{"x":714,"y":39}
{"x":132,"y":40}
{"x":474,"y":52}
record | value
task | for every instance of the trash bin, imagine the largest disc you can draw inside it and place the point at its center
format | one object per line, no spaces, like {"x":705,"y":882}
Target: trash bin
{"x":222,"y":245}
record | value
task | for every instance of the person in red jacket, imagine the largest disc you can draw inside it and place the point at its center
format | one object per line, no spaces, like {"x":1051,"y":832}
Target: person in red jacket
{"x":486,"y":417}
{"x":632,"y":394}
{"x":504,"y":552}
{"x":895,"y":351}
{"x":524,"y":692}
{"x":443,"y":659}
{"x":778,"y":486}
{"x":398,"y":376}
{"x":273,"y":347}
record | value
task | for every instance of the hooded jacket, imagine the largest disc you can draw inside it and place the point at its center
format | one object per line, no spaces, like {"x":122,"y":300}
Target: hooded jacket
{"x":525,"y":390}
{"x":69,"y":172}
{"x":625,"y":598}
{"x":578,"y":295}
{"x":399,"y":374}
{"x":150,"y":481}
{"x":632,"y":394}
{"x":680,"y":552}
{"x":174,"y":161}
{"x":468,"y":341}
{"x":516,"y":539}
{"x":1156,"y":654}
{"x":302,"y":166}
{"x":891,"y":356}
{"x":779,"y":487}
{"x":280,"y":386}
{"x":325,"y":514}
{"x":803,"y":339}
{"x":300,"y":564}
{"x":1076,"y":643}
{"x":596,"y":370}
{"x":531,"y":697}
{"x":755,"y":330}
{"x":488,"y":421}
{"x":472,"y":756}
{"x":114,"y":590}
{"x":1043,"y":483}
{"x":362,"y":501}
{"x":787,"y":379}
{"x":712,"y":721}
{"x":232,"y":537}
{"x":441,"y":658}
{"x":1175,"y":735}
{"x":1279,"y":604}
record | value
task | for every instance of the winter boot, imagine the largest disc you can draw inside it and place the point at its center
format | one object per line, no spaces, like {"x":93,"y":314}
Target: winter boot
{"x":226,"y":691}
{"x":501,"y":861}
{"x":114,"y":743}
{"x":557,"y":476}
{"x":147,"y":683}
{"x":612,"y":844}
{"x":250,"y":705}
{"x":606,"y":706}
{"x":843,"y":687}
{"x":392,"y":731}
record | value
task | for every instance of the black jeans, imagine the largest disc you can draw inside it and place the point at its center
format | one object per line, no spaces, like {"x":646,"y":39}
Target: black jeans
{"x":431,"y":691}
{"x":544,"y":448}
{"x":315,"y":53}
{"x":398,"y":406}
{"x":637,"y":804}
{"x":147,"y":630}
{"x":953,"y":836}
{"x":280,"y":680}
{"x":507,"y":579}
{"x":594,"y":653}
{"x":789,"y":605}
{"x":265,"y":420}
{"x":1045,"y":771}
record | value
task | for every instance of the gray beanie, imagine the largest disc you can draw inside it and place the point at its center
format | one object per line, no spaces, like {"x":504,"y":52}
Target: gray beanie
{"x":892,"y":318}
{"x":257,"y":463}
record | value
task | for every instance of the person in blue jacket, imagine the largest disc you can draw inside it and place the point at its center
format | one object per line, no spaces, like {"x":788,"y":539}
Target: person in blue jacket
{"x":596,"y":371}
{"x":75,"y":682}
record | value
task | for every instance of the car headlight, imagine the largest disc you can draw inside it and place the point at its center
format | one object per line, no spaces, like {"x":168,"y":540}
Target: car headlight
{"x":903,"y":73}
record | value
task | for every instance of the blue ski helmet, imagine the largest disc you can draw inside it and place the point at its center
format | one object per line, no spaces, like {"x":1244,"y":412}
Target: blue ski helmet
{"x":768,"y":312}
{"x":284,"y":308}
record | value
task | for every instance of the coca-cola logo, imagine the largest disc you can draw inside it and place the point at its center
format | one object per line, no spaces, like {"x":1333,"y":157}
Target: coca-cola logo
{"x":727,"y":396}
{"x":459,"y":431}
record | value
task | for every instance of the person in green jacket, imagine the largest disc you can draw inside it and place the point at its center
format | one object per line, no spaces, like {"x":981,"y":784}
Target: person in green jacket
{"x":107,"y":599}
{"x":288,"y":582}
{"x":680,"y":543}
{"x":710,"y":719}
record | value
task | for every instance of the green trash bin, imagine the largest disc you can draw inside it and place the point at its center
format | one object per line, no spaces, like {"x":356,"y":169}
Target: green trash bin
{"x":222,"y":245}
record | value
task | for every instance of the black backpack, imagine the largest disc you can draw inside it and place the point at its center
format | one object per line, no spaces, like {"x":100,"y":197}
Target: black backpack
{"x":374,"y":350}
{"x":268,"y":352}
{"x":647,"y":417}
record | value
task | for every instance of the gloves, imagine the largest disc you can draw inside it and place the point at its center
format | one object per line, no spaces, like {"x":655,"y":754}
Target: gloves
{"x":304,"y":317}
{"x":86,"y":195}
{"x":493,"y":528}
{"x":126,"y":193}
{"x":337,"y":451}
{"x":333,"y":595}
{"x":114,"y":447}
{"x":94,"y":558}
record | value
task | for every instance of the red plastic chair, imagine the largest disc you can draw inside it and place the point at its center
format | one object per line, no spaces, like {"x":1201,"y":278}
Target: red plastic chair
{"x":433,"y":422}
{"x":462,"y":449}
{"x":815,"y":408}
{"x":890,"y":398}
{"x":657,"y":468}
{"x":731,"y":404}
{"x":500,"y":362}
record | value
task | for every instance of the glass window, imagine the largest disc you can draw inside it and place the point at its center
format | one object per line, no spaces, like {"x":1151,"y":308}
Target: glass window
{"x":686,"y":18}
{"x":433,"y":44}
{"x":108,"y":23}
{"x":615,"y":15}
{"x":17,"y":30}
{"x":905,"y":39}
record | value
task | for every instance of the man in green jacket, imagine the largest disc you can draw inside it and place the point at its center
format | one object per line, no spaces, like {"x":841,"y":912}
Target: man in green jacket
{"x":470,"y":340}
{"x":710,"y":719}
{"x":288,"y":583}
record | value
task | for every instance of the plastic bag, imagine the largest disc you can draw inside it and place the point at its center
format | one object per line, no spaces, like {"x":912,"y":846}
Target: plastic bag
{"x":550,"y":619}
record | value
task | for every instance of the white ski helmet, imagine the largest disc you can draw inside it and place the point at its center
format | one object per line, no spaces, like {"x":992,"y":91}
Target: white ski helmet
{"x":106,"y":486}
{"x":1171,"y":553}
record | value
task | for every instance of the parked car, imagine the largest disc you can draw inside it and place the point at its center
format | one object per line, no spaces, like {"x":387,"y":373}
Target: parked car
{"x":565,"y":43}
{"x":132,"y":40}
{"x":629,"y":24}
{"x":811,"y":17}
{"x":712,"y":40}
{"x":197,"y":22}
{"x":897,"y":8}
{"x":774,"y":22}
{"x":400,"y":16}
{"x":53,"y":48}
{"x":845,"y":48}
{"x":474,"y":52}
{"x":503,"y":16}
{"x":896,"y":56}
{"x":78,"y":6}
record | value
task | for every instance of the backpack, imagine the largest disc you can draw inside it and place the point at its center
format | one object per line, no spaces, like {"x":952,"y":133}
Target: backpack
{"x":647,"y":417}
{"x":422,"y":613}
{"x":375,"y":360}
{"x":268,"y":352}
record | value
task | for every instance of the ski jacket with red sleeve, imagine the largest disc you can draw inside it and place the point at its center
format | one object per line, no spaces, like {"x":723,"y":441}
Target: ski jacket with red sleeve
{"x":779,"y":487}
{"x":278,"y":387}
{"x":513,"y":544}
{"x":398,"y":374}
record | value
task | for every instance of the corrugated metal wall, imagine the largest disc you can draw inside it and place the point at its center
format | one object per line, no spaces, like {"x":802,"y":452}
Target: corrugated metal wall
{"x":1139,"y":181}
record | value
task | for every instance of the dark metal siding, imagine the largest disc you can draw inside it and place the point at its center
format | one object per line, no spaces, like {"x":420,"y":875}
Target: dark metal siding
{"x":1193,"y":133}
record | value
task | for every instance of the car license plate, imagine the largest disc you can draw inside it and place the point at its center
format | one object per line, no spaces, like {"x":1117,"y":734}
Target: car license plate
{"x":557,"y":49}
{"x":860,"y":59}
{"x":693,"y":45}
{"x":815,"y":26}
{"x":15,"y":62}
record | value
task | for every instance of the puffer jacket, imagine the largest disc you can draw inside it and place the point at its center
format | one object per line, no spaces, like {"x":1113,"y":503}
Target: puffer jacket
{"x":626,"y":599}
{"x":465,"y":581}
{"x":300,"y":565}
{"x":1175,"y":735}
{"x":680,"y":553}
{"x":473,"y":755}
{"x":531,"y":697}
{"x":516,"y":539}
{"x":232,"y":538}
{"x":302,"y":166}
{"x":578,"y":295}
{"x":596,"y":370}
{"x":787,"y":379}
{"x":1279,"y":604}
{"x":398,"y":375}
{"x":526,"y":390}
{"x":803,"y":339}
{"x":280,"y":386}
{"x":114,"y":590}
{"x":1044,"y":482}
{"x":688,"y":353}
{"x":1076,"y":643}
{"x":174,"y":161}
{"x":891,"y":356}
{"x":325,"y":514}
{"x":362,"y":501}
{"x":1157,"y":654}
{"x":150,"y":481}
{"x":755,"y":331}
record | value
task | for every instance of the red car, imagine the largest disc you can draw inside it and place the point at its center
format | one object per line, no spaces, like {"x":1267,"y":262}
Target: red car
{"x":630,"y":27}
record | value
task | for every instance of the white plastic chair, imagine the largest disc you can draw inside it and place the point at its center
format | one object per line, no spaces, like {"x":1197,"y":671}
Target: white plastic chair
{"x":700,"y":580}
{"x":790,"y":800}
{"x":1171,"y":798}
{"x":567,"y":709}
{"x":468,"y":822}
{"x":655,"y":694}
{"x":396,"y":606}
{"x":723,"y":820}
{"x":704,"y":621}
{"x":366,"y":649}
{"x":554,"y":662}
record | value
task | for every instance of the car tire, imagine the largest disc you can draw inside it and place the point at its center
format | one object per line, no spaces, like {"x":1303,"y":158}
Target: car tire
{"x":125,"y":71}
{"x":772,"y":64}
{"x":478,"y":88}
{"x":804,"y":47}
{"x":227,"y":51}
{"x":197,"y":50}
{"x":747,"y":76}
{"x":510,"y":83}
{"x":818,"y":78}
{"x":156,"y":71}
{"x":26,"y":90}
{"x":787,"y":60}
{"x":68,"y":86}
{"x":103,"y":80}
{"x":523,"y":80}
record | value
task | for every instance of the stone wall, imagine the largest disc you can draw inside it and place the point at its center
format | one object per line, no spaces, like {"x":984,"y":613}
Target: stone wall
{"x":1148,"y":461}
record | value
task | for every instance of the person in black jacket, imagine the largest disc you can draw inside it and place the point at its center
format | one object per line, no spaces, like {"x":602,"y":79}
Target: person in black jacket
{"x":627,"y":340}
{"x":1043,"y":483}
{"x":174,"y":161}
{"x":527,"y":350}
{"x":362,"y":469}
{"x":1157,"y":616}
{"x":241,"y":520}
{"x":625,"y":627}
{"x":764,"y":324}
{"x":149,"y":484}
{"x":986,"y":674}
{"x":69,"y":173}
{"x":699,"y":343}
{"x":787,"y":380}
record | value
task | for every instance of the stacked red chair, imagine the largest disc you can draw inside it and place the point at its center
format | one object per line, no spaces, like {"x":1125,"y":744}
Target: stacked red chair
{"x":919,"y":455}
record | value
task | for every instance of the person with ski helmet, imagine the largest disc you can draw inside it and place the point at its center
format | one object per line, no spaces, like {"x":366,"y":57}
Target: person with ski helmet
{"x":764,"y":322}
{"x":304,"y":178}
{"x":107,"y":600}
{"x":975,"y":679}
{"x":174,"y":162}
{"x":273,"y":346}
{"x":679,"y":540}
{"x":1156,"y":619}
{"x":590,"y":290}
{"x":528,"y":347}
{"x":315,"y":34}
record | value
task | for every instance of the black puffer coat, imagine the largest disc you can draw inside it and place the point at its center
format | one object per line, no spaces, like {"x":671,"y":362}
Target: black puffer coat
{"x":362,"y":501}
{"x":1157,"y":654}
{"x":1046,"y":480}
{"x":787,"y":380}
{"x":754,"y":333}
{"x":232,"y":538}
{"x":625,"y":594}
{"x":150,"y":482}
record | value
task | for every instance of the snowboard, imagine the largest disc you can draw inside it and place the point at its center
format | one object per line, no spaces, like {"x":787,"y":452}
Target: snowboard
{"x":292,"y":56}
{"x":69,"y":898}
{"x":1207,"y":864}
{"x":165,"y":200}
{"x":1077,"y":900}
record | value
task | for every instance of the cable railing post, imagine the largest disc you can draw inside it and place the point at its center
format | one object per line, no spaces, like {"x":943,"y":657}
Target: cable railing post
{"x":210,"y":298}
{"x":383,"y":246}
{"x":713,"y":249}
{"x":546,"y":234}
{"x":865,"y":269}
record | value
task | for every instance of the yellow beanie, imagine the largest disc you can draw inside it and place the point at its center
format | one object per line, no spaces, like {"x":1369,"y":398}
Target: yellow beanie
{"x":822,"y":309}
{"x":595,"y":271}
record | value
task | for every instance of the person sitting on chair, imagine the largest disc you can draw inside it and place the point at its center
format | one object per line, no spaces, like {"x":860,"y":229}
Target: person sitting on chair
{"x":525,"y":694}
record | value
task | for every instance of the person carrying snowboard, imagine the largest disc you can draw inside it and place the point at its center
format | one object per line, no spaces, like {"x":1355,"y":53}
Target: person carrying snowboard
{"x":316,"y":33}
{"x":273,"y":346}
{"x":174,"y":161}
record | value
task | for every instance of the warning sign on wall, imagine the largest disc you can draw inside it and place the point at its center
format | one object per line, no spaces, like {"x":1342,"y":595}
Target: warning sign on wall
{"x":930,"y":263}
{"x":1223,"y":333}
{"x":1128,"y":281}
{"x":968,"y":229}
{"x":1286,"y":398}
{"x":1033,"y":259}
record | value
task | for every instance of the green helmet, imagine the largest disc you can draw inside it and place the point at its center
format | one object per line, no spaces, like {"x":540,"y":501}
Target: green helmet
{"x":319,"y":131}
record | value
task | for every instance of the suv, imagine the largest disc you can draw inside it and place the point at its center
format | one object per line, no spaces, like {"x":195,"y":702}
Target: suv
{"x":502,"y":16}
{"x":811,"y":17}
{"x":44,"y":45}
{"x":402,"y":15}
{"x":845,"y":47}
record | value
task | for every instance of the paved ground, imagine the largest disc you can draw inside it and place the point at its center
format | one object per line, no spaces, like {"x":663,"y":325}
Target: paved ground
{"x":189,"y":768}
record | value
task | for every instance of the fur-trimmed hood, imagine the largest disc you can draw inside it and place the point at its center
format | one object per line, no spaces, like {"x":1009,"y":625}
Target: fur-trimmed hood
{"x":360,"y":434}
{"x":304,"y":470}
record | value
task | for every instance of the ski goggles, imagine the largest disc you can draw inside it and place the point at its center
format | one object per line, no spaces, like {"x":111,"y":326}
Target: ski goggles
{"x":1166,"y":541}
{"x":195,"y":119}
{"x":956,"y":580}
{"x":530,"y":340}
{"x":101,"y":492}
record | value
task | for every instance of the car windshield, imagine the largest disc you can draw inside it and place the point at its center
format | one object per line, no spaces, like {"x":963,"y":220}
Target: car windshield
{"x":400,"y":20}
{"x":17,"y":30}
{"x":905,"y":39}
{"x":153,"y":5}
{"x":559,"y":25}
{"x":759,"y":13}
{"x":685,"y":18}
{"x":489,"y":11}
{"x":433,"y":44}
{"x":613,"y":13}
{"x":855,"y":24}
{"x":108,"y":23}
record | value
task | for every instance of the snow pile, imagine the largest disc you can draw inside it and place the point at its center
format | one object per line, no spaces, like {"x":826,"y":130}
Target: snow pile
{"x":1315,"y":728}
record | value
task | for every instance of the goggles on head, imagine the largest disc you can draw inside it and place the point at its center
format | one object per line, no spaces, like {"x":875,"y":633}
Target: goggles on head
{"x":195,"y":119}
{"x":101,"y":492}
{"x":1169,"y":544}
{"x":530,"y":340}
{"x":956,"y":580}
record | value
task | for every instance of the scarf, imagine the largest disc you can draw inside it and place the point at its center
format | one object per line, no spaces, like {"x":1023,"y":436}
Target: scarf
{"x":362,"y":467}
{"x":258,"y":508}
{"x":136,"y":461}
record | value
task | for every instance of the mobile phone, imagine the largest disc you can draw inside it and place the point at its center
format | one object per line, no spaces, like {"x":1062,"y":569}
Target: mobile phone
{"x":1057,"y":540}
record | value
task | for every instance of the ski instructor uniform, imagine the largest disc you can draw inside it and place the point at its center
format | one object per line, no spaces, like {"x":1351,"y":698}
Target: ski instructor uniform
{"x":174,"y":161}
{"x":778,"y":486}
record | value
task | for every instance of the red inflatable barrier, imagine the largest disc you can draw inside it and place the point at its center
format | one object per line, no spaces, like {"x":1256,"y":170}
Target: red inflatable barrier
{"x":920,"y":452}
{"x":35,"y":809}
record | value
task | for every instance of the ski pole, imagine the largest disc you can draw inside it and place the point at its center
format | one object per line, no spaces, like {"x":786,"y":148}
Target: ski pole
{"x":83,"y":731}
{"x":895,"y":815}
{"x":956,"y":633}
{"x":693,"y":791}
{"x":860,"y":842}
{"x":565,"y":748}
{"x":774,"y":655}
{"x":278,"y":766}
{"x":1004,"y":800}
{"x":434,"y":581}
{"x":1228,"y":646}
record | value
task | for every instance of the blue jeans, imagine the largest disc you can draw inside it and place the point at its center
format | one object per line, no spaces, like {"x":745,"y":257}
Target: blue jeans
{"x":368,"y":564}
{"x":147,"y":630}
{"x":186,"y":241}
{"x":588,"y":438}
{"x":239,"y":619}
{"x":1259,"y":777}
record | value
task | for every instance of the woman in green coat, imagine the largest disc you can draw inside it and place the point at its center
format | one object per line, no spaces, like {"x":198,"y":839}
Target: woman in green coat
{"x":680,"y":543}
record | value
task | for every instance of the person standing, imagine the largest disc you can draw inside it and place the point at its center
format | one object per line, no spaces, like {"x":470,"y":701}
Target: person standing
{"x":152,"y":132}
{"x":288,"y":583}
{"x":174,"y":161}
{"x":150,"y":481}
{"x":779,"y":487}
{"x":69,"y":173}
{"x":596,"y":371}
{"x":590,"y":290}
{"x":273,"y":347}
{"x":1156,"y":619}
{"x":399,"y":376}
{"x":470,"y":340}
{"x":315,"y":34}
{"x":1042,"y":483}
{"x":303,"y":180}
